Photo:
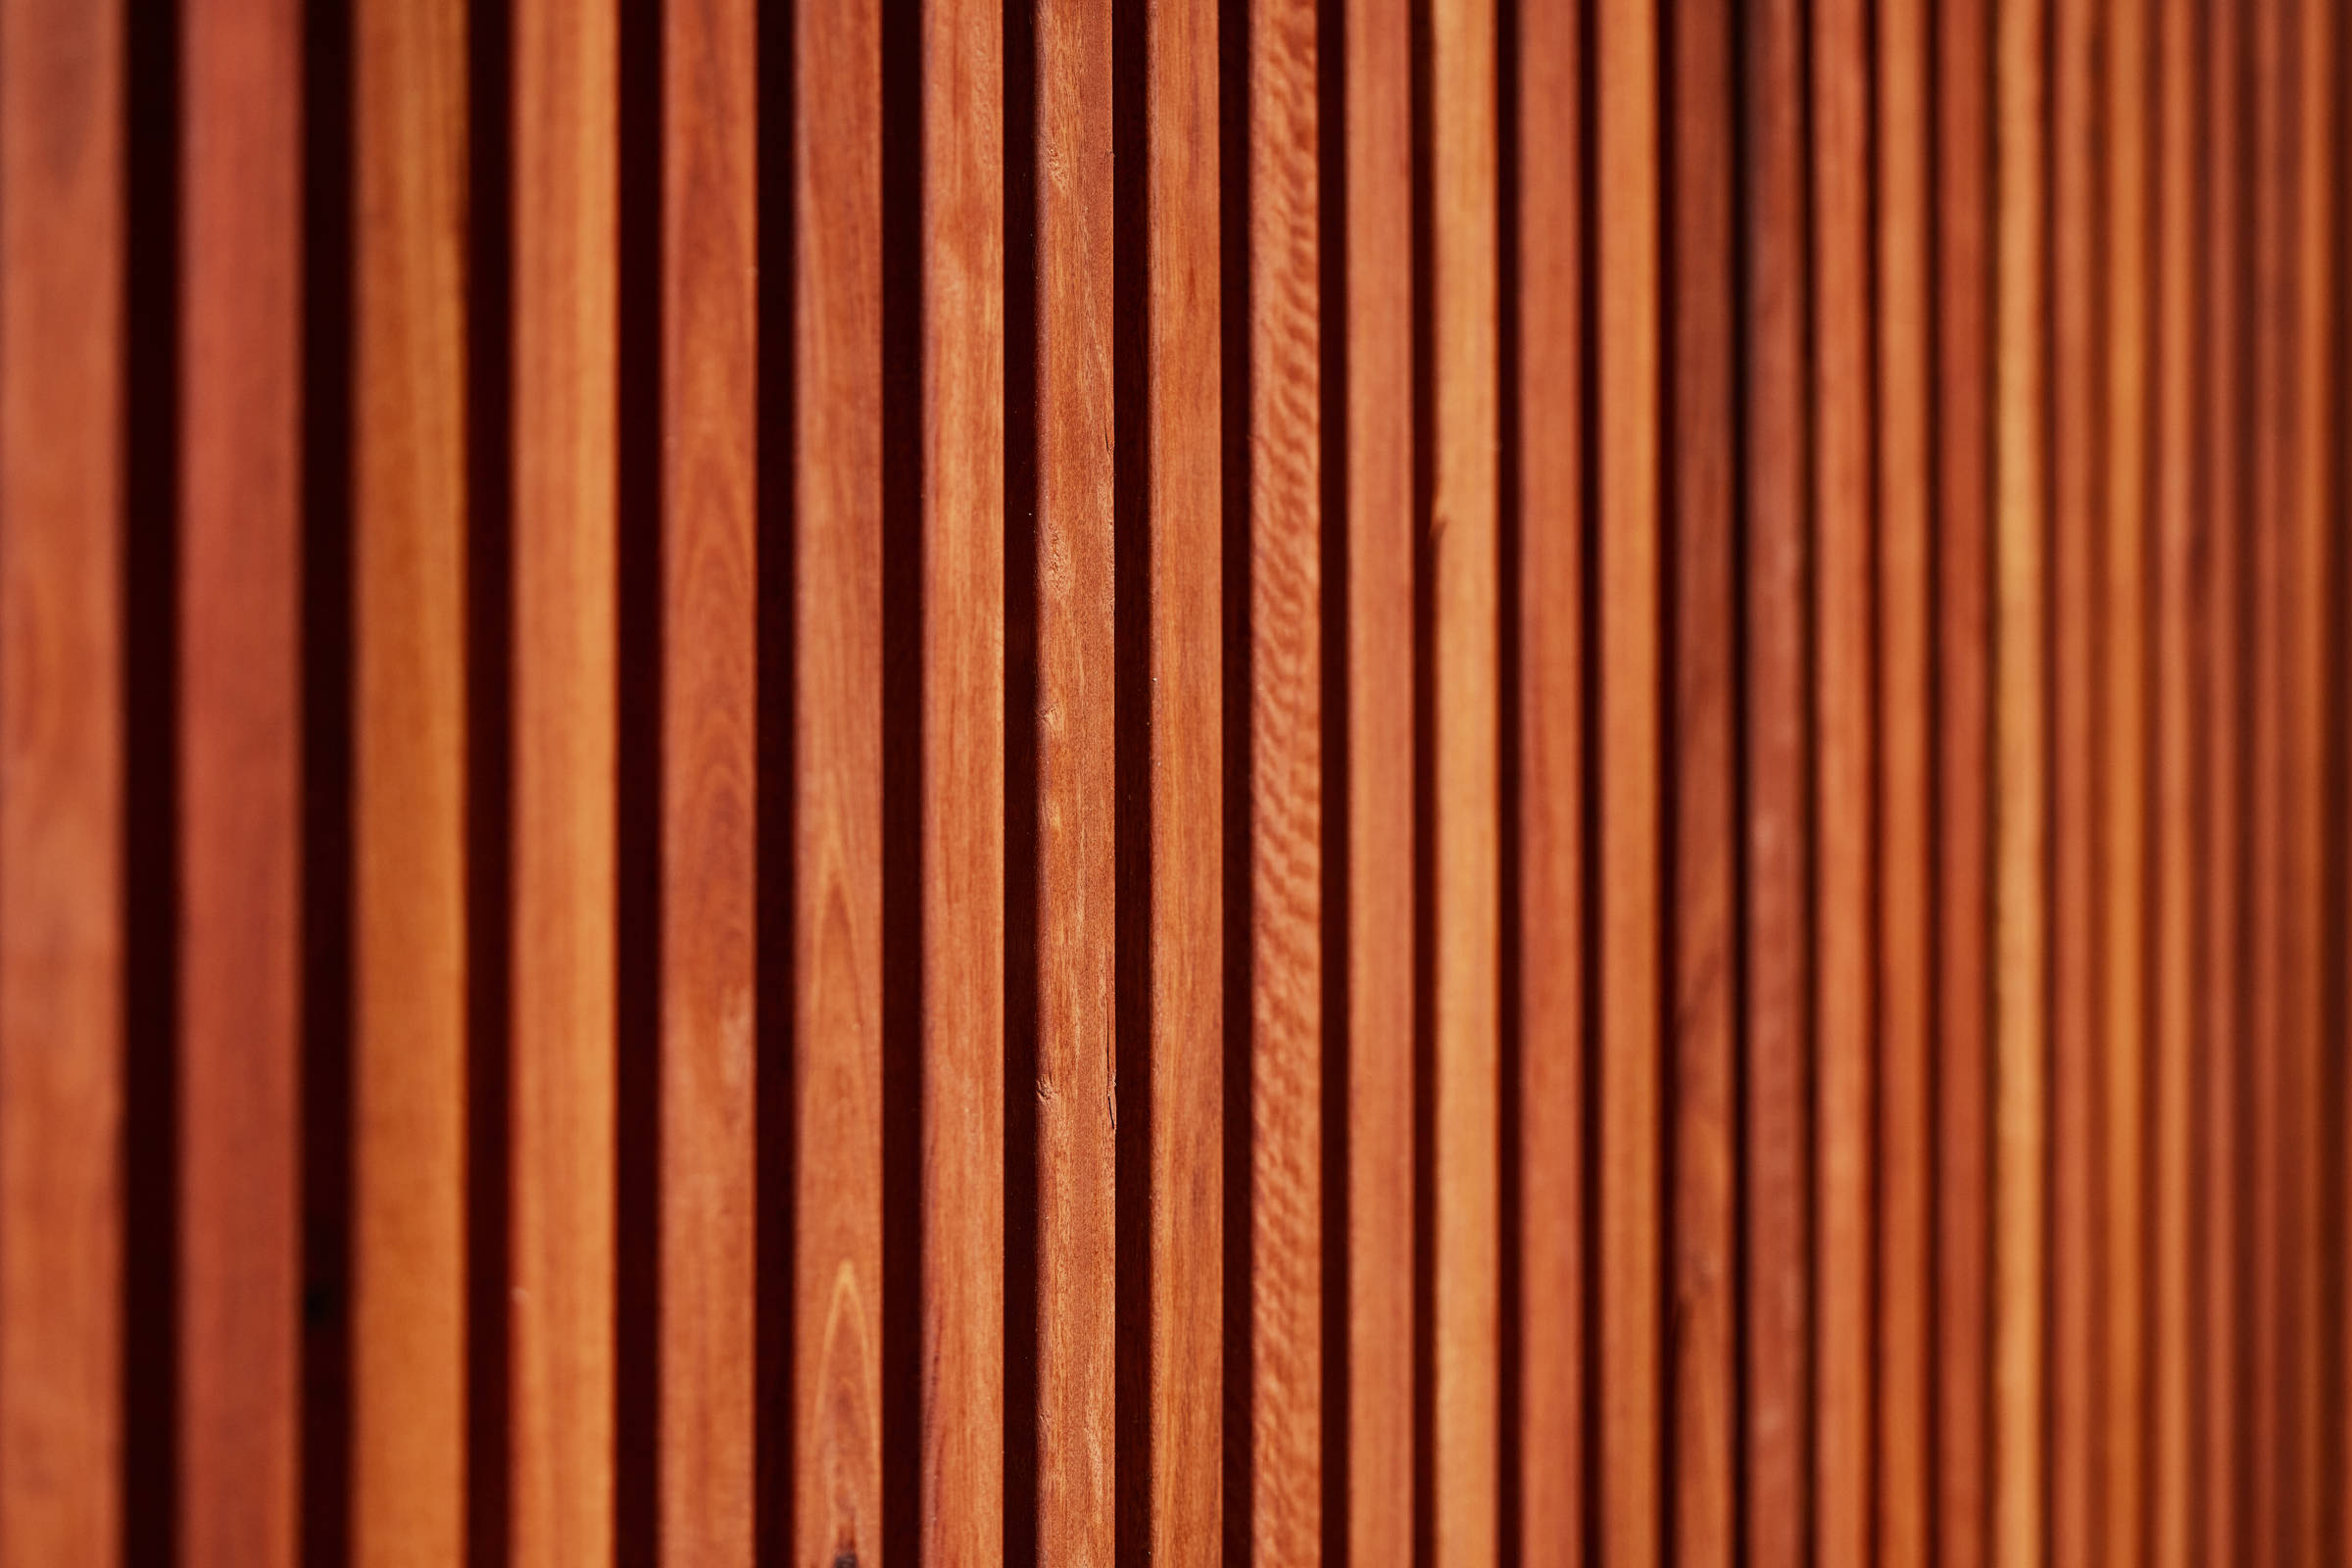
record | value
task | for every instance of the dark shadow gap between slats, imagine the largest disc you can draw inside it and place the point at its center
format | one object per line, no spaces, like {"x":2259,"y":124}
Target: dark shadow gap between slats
{"x":1741,"y":301}
{"x":1511,"y":957}
{"x":776,"y":833}
{"x":1023,"y":1252}
{"x":151,"y":826}
{"x":1665,"y":704}
{"x":637,"y":797}
{"x":489,"y":783}
{"x":1131,"y":660}
{"x":1338,"y":1043}
{"x":1934,"y":1321}
{"x":326,"y":787}
{"x":1425,"y":801}
{"x":1235,"y":706}
{"x":904,"y":547}
{"x":1587,"y":611}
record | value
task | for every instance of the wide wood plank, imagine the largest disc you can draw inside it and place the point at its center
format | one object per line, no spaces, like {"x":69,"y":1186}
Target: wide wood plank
{"x":1777,"y":1178}
{"x":1464,"y":596}
{"x":2021,"y":773}
{"x":1551,"y":790}
{"x":1285,"y":818}
{"x":60,"y":780}
{"x":1702,"y":1359}
{"x":240,"y":758}
{"x":837,"y":783}
{"x":1631,"y":1422}
{"x":708,"y":726}
{"x":1076,"y":738}
{"x":561,"y":1343}
{"x":409,"y":773}
{"x":1905,"y":718}
{"x":963,"y":783}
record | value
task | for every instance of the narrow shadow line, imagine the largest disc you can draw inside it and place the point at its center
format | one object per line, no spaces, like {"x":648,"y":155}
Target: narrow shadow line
{"x":1743,"y":376}
{"x":777,"y":827}
{"x":1511,"y":951}
{"x":150,"y":887}
{"x":1023,"y":1252}
{"x":1666,"y":616}
{"x":489,"y":765}
{"x":327,"y":786}
{"x":1331,"y":191}
{"x":1589,"y":828}
{"x":903,"y":549}
{"x":637,"y":797}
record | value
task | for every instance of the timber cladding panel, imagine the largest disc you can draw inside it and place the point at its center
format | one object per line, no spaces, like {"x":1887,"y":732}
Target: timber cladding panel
{"x":1062,"y":781}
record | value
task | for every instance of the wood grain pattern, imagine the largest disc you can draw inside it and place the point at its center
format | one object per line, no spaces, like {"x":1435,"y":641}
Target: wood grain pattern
{"x":1465,"y":596}
{"x":561,"y":1333}
{"x":709,"y":725}
{"x":409,"y":971}
{"x":1286,"y":1134}
{"x":240,"y":787}
{"x":1776,"y":1444}
{"x":1554,"y":791}
{"x":1702,"y":1359}
{"x":1076,"y":749}
{"x":2021,"y":775}
{"x":61,"y":779}
{"x":1845,"y":958}
{"x":1905,"y":719}
{"x":1184,"y":526}
{"x":1631,"y":1424}
{"x":837,"y":891}
{"x":963,"y":784}
{"x":1963,"y":991}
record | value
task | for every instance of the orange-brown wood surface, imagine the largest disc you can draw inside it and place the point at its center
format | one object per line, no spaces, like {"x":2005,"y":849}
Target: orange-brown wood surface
{"x":408,"y":974}
{"x":240,"y":784}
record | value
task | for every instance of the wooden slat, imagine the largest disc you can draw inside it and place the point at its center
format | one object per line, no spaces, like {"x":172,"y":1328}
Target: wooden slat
{"x":239,"y":764}
{"x":409,"y":771}
{"x":2181,"y":546}
{"x":1286,"y":819}
{"x":1962,"y":407}
{"x":1182,"y":1487}
{"x":708,"y":723}
{"x":2020,"y":776}
{"x":1703,"y":1366}
{"x":61,"y":779}
{"x":1905,"y":717}
{"x":561,"y":1325}
{"x":1076,"y":747}
{"x":1846,"y":959}
{"x":963,"y":783}
{"x":836,"y":890}
{"x":1629,"y":782}
{"x":1464,"y":595}
{"x":1551,"y":788}
{"x":1776,"y":1444}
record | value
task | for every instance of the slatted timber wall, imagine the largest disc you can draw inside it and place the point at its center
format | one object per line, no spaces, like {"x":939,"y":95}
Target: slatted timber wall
{"x":1058,"y":781}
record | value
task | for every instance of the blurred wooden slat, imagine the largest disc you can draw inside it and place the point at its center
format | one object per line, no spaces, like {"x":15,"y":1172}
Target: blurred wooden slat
{"x":1777,"y":1178}
{"x":2180,"y":541}
{"x":1905,"y":717}
{"x":708,"y":720}
{"x":1963,"y":655}
{"x":1076,"y":740}
{"x":1464,"y":596}
{"x":2020,"y":776}
{"x":409,"y":971}
{"x":61,"y":779}
{"x":561,"y":1333}
{"x":1845,"y":956}
{"x":1704,"y":1367}
{"x":1629,"y":780}
{"x":1553,"y":789}
{"x":240,"y":758}
{"x":1180,"y":1492}
{"x":1286,"y":821}
{"x":963,"y":783}
{"x":837,"y":891}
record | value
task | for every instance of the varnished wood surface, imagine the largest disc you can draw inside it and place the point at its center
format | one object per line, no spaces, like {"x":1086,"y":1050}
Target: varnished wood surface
{"x":1307,"y":781}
